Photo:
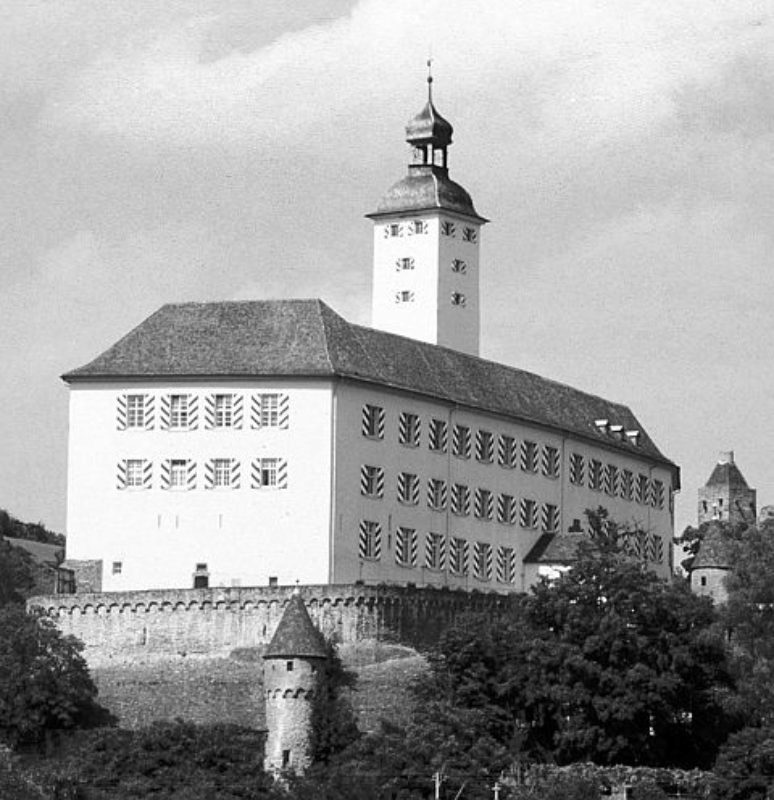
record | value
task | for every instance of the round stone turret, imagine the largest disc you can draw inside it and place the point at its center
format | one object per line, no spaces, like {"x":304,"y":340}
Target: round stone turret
{"x":291,"y":669}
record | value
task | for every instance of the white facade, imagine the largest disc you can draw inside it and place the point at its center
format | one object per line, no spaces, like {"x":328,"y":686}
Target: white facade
{"x":426,"y":278}
{"x":149,"y":536}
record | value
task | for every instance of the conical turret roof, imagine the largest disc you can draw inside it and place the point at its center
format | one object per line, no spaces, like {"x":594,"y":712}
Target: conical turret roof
{"x":296,"y":635}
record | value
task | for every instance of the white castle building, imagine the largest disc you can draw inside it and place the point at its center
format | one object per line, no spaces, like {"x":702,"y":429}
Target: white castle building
{"x":250,"y":443}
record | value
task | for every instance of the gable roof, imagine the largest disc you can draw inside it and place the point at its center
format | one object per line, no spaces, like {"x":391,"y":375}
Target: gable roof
{"x":726,"y":473}
{"x":296,"y":635}
{"x":556,"y":548}
{"x":305,"y":338}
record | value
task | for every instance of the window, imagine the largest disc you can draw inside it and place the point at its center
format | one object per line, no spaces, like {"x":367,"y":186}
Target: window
{"x":577,"y":471}
{"x":507,"y":451}
{"x":135,"y":411}
{"x":408,"y":429}
{"x":484,"y":447}
{"x":134,"y":473}
{"x":657,"y":498}
{"x":527,"y":513}
{"x":641,"y":489}
{"x":178,"y":411}
{"x":221,"y":472}
{"x":419,"y":226}
{"x":626,"y":484}
{"x":529,"y":456}
{"x":371,"y":481}
{"x":372,"y":422}
{"x":404,"y":263}
{"x":406,"y":547}
{"x":458,"y":299}
{"x":285,"y":759}
{"x":550,"y":461}
{"x":117,"y":567}
{"x":482,"y":561}
{"x":506,"y":509}
{"x":434,"y":551}
{"x":394,"y":229}
{"x":370,"y":543}
{"x":461,"y":441}
{"x":469,"y":234}
{"x":224,"y":410}
{"x":268,"y":410}
{"x":458,"y":556}
{"x":483,"y":507}
{"x":178,"y":473}
{"x":595,"y":475}
{"x":268,"y":471}
{"x":703,"y":580}
{"x":408,"y":488}
{"x":436,"y":494}
{"x":438,"y":433}
{"x":611,"y":480}
{"x":506,"y":565}
{"x":550,"y":518}
{"x":447,"y":228}
{"x":288,"y":666}
{"x":458,"y":265}
{"x":460,"y":500}
{"x":404,"y":296}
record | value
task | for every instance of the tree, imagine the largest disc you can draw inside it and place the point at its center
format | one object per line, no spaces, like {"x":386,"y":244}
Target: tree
{"x":16,"y":574}
{"x":45,"y":684}
{"x":745,"y":766}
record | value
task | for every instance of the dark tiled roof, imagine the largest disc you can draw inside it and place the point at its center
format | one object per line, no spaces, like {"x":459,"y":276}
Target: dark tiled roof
{"x":41,"y":552}
{"x":422,"y":189}
{"x":714,"y":550}
{"x":726,"y":473}
{"x":296,"y":635}
{"x":306,"y":338}
{"x":556,"y":548}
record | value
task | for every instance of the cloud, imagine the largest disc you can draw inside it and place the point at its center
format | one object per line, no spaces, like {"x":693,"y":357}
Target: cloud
{"x":583,"y":69}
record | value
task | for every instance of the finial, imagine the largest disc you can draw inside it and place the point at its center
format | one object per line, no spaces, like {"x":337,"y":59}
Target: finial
{"x":430,"y":79}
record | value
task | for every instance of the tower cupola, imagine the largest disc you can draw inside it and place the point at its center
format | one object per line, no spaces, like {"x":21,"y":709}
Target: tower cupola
{"x":426,"y":244}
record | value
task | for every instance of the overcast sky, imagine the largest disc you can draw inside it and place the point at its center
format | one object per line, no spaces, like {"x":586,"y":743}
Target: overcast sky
{"x":204,"y":150}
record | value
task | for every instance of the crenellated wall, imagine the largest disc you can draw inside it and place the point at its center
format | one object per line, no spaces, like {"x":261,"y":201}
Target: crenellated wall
{"x":143,"y":625}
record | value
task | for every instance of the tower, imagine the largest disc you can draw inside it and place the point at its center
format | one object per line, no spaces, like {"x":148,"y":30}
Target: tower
{"x":291,"y":669}
{"x":426,"y":245}
{"x":726,"y":497}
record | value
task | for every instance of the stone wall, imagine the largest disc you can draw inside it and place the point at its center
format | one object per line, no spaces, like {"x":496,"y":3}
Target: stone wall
{"x":142,"y":625}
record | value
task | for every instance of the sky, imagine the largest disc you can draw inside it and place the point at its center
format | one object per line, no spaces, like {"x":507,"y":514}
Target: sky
{"x":228,"y":149}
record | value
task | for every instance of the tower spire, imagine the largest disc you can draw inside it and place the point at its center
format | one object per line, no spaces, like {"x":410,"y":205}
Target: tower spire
{"x":430,"y":79}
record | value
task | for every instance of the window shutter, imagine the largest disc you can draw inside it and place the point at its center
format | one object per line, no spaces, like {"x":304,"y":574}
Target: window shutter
{"x":150,"y":408}
{"x":164,"y":412}
{"x":209,"y":412}
{"x":121,"y":412}
{"x":238,"y":411}
{"x":121,"y":469}
{"x":236,"y":473}
{"x":209,"y":474}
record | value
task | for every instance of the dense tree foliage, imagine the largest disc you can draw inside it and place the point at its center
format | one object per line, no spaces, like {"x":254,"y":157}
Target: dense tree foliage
{"x":45,"y":685}
{"x":169,"y":761}
{"x":745,"y":766}
{"x":16,"y":574}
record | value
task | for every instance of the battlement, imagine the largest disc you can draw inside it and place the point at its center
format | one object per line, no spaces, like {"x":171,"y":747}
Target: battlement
{"x":142,"y":625}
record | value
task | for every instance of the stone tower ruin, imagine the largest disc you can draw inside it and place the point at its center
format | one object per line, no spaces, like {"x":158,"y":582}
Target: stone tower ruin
{"x":726,"y":497}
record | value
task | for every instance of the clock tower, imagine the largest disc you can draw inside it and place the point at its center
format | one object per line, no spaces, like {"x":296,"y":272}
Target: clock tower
{"x":426,"y":245}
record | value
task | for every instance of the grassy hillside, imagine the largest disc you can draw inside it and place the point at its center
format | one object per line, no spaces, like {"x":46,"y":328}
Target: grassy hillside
{"x":204,"y":690}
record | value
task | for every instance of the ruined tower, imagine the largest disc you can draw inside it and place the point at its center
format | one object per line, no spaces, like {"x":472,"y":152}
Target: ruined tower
{"x":291,"y":668}
{"x":726,"y":497}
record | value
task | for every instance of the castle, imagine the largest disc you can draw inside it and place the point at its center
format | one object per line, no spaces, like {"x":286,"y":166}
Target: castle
{"x":229,"y":444}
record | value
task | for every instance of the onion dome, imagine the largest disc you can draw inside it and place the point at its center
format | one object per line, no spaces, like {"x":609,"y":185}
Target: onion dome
{"x":429,"y":127}
{"x":296,"y":635}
